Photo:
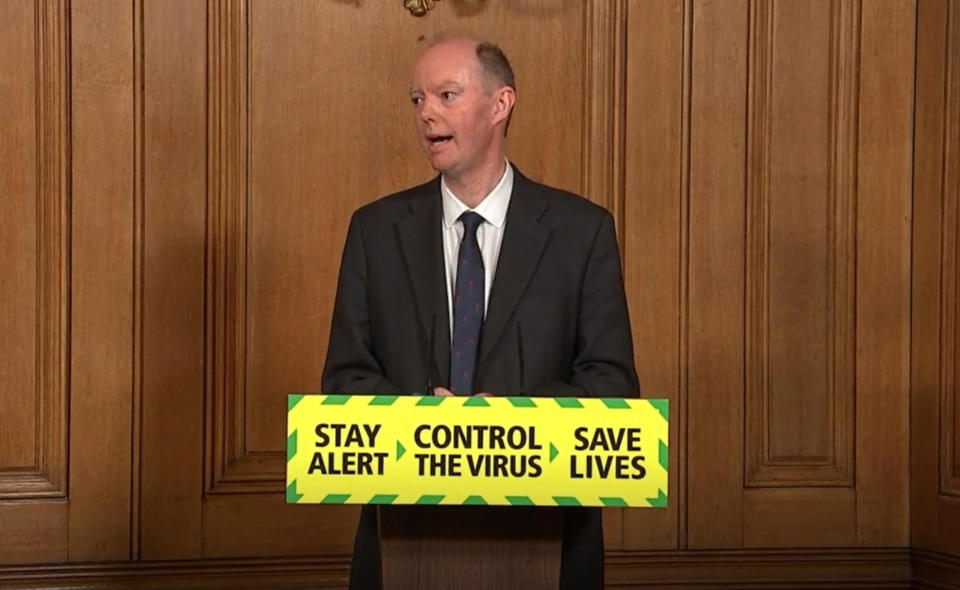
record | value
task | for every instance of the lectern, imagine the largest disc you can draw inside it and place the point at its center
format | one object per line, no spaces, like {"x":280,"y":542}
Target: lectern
{"x":471,"y":492}
{"x":470,"y":547}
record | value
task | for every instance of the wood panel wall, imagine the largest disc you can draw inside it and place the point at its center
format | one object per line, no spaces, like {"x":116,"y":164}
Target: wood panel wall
{"x":935,"y":399}
{"x":176,"y":182}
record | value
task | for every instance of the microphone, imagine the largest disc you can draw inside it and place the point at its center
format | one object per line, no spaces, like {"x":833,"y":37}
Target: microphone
{"x":431,"y":359}
{"x":520,"y":360}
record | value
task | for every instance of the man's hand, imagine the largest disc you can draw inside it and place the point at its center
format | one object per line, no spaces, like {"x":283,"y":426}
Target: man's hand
{"x":443,"y":391}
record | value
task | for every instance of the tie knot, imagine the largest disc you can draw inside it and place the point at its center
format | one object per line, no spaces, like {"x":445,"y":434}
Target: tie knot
{"x":471,"y":221}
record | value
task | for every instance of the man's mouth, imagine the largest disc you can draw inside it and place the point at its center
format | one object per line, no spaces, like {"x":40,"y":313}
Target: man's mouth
{"x":438,"y":140}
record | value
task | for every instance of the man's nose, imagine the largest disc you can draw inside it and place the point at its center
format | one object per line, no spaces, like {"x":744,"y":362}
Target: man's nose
{"x":427,"y":111}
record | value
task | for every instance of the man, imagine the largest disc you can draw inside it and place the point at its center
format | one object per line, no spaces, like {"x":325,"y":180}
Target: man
{"x":480,"y":281}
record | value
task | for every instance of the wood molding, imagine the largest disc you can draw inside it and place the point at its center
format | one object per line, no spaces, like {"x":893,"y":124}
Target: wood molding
{"x":47,"y":478}
{"x":604,"y":107}
{"x":689,"y":570}
{"x":933,"y":570}
{"x":229,"y":467}
{"x":313,"y":572}
{"x":950,"y":263}
{"x":683,"y":279}
{"x":139,"y":203}
{"x":760,"y":569}
{"x":836,"y":467}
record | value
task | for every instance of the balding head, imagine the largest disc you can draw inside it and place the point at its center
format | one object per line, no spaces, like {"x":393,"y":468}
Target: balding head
{"x":462,"y":104}
{"x":491,"y":60}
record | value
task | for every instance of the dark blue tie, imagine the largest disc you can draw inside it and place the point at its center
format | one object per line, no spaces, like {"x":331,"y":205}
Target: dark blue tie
{"x":467,"y":307}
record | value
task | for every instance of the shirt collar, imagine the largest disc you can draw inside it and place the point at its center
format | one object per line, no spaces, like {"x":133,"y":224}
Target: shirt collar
{"x":493,"y":207}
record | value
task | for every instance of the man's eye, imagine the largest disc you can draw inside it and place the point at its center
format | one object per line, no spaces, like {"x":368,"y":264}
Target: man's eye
{"x":447,"y":95}
{"x":416,"y":100}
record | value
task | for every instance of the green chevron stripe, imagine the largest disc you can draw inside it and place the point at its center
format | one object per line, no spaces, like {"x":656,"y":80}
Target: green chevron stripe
{"x":335,"y":498}
{"x":335,"y":400}
{"x":566,"y":501}
{"x":568,"y":402}
{"x":553,"y":452}
{"x":662,"y":406}
{"x":292,"y":496}
{"x":400,"y":450}
{"x":293,"y":399}
{"x":614,"y":502}
{"x":519,"y":501}
{"x":292,"y":445}
{"x":476,"y":402}
{"x":664,"y":456}
{"x":475,"y":501}
{"x":660,"y":501}
{"x":431,"y":400}
{"x":430,"y":498}
{"x":615,"y":403}
{"x":383,"y":499}
{"x":383,"y":400}
{"x":522,"y":402}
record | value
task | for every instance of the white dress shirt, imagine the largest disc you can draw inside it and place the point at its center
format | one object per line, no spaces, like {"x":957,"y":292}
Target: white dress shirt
{"x":493,"y":209}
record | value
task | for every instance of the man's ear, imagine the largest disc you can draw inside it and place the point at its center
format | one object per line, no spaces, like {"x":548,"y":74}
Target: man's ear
{"x":504,"y":99}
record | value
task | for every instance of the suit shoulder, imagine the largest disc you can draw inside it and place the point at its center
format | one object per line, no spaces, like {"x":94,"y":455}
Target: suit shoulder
{"x":389,"y":208}
{"x":571,"y":206}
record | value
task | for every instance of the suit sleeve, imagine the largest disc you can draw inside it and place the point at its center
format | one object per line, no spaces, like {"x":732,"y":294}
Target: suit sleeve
{"x":351,"y":365}
{"x":603,"y":365}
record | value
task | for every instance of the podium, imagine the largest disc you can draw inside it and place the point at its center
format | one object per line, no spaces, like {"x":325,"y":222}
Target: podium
{"x":474,"y":493}
{"x":470,"y":547}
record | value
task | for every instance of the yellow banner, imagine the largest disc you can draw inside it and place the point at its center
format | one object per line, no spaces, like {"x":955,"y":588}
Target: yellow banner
{"x":521,"y":451}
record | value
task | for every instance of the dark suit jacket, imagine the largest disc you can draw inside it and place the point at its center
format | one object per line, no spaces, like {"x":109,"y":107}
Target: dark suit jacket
{"x":557,"y":293}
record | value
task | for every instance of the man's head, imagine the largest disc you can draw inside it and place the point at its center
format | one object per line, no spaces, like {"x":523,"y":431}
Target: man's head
{"x":463,"y":94}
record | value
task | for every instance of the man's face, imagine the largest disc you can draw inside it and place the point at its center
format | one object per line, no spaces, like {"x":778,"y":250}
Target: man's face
{"x":455,"y":108}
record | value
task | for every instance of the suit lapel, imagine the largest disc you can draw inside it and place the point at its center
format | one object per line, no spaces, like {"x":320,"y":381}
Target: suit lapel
{"x":421,"y":246}
{"x":523,"y":243}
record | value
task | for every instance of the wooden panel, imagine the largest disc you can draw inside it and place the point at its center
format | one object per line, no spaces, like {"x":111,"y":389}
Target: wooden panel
{"x":33,"y":532}
{"x":80,"y":231}
{"x":796,"y":243}
{"x":934,"y":516}
{"x":927,"y":309}
{"x":264,"y":525}
{"x":801,"y":235}
{"x":172,"y":131}
{"x":33,"y":285}
{"x":654,"y":241}
{"x":799,"y":518}
{"x":18,"y":254}
{"x":33,"y":252}
{"x":716,"y":274}
{"x":862,"y":569}
{"x":291,"y":573}
{"x":935,"y":571}
{"x":883,"y":271}
{"x":694,"y":570}
{"x":226,"y":254}
{"x":101,"y":279}
{"x":604,"y":105}
{"x":949,"y":390}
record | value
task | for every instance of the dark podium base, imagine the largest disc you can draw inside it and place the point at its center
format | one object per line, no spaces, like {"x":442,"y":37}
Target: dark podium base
{"x":470,"y":547}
